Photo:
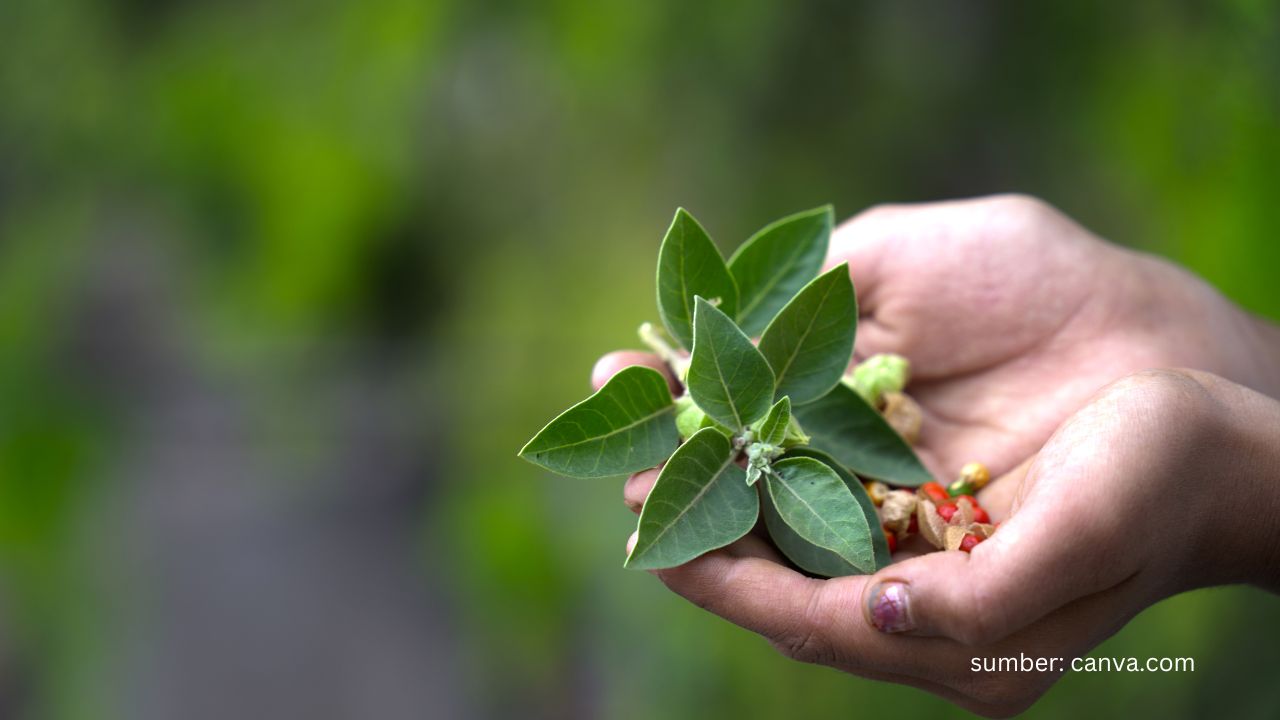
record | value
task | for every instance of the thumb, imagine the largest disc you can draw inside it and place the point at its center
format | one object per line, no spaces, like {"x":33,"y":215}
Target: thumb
{"x":1037,"y":562}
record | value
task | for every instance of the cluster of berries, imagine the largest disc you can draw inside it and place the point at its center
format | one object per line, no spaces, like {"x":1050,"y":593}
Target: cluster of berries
{"x":949,"y":518}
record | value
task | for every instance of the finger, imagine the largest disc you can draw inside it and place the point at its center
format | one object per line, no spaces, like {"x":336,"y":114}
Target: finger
{"x":636,"y":490}
{"x":609,"y":365}
{"x":755,"y":593}
{"x":808,"y":619}
{"x":818,"y":621}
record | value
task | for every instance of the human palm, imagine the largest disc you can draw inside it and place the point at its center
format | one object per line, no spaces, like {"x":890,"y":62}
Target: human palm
{"x":1013,"y":316}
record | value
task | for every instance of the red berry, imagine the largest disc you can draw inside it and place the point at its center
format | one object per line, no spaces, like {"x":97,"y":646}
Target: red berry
{"x":935,"y":492}
{"x":969,"y":541}
{"x":947,"y":511}
{"x":891,"y":539}
{"x":979,"y":515}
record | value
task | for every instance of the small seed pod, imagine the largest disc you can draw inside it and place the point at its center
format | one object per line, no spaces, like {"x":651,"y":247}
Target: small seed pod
{"x":877,"y":491}
{"x":904,"y":415}
{"x":969,"y":543}
{"x":952,"y":536}
{"x":897,"y":510}
{"x":932,"y":526}
{"x":982,"y":530}
{"x":976,"y":474}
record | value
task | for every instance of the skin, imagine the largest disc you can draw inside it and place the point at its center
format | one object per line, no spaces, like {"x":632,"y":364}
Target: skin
{"x":1031,"y":344}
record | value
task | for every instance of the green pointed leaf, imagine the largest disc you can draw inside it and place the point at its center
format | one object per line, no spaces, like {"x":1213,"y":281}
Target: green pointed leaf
{"x":627,"y":426}
{"x":809,"y":343}
{"x":689,"y":265}
{"x":728,"y":378}
{"x":814,"y":502}
{"x":709,"y":422}
{"x":810,"y":557}
{"x":773,"y":429}
{"x":843,"y":425}
{"x":776,"y":262}
{"x":700,"y":502}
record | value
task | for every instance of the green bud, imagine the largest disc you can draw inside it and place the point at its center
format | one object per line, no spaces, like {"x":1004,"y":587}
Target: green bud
{"x":877,"y":375}
{"x":689,"y":417}
{"x":759,"y":457}
{"x":795,"y":435}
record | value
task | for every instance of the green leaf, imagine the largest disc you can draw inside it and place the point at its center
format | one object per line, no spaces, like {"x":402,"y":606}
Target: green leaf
{"x":700,"y":502}
{"x":709,"y":422}
{"x":728,"y":378}
{"x":809,"y":343}
{"x":843,"y":425}
{"x":773,"y":429}
{"x":689,"y":265}
{"x":810,"y":557}
{"x":776,"y":262}
{"x":627,"y":426}
{"x":814,"y":502}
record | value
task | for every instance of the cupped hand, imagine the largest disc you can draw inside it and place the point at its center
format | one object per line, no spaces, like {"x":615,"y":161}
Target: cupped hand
{"x":1013,"y":318}
{"x":1154,"y":487}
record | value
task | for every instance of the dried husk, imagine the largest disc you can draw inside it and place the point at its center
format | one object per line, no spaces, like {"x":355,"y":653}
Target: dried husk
{"x":932,"y":526}
{"x":896,"y":511}
{"x":983,"y":530}
{"x":953,"y":536}
{"x":904,"y":415}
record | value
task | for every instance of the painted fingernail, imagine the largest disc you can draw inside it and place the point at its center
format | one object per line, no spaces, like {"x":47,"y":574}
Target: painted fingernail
{"x":889,"y":607}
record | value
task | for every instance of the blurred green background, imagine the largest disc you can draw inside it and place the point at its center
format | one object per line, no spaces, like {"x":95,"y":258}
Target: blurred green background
{"x":284,"y":286}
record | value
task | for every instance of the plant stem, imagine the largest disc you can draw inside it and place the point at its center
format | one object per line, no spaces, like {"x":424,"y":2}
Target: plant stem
{"x":656,"y":340}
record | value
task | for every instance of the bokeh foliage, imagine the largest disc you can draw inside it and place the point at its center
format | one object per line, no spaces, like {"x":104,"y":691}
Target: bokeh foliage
{"x":480,"y":188}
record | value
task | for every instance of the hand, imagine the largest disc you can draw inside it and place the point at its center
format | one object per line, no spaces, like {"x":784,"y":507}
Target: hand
{"x":1164,"y":482}
{"x":1013,"y":317}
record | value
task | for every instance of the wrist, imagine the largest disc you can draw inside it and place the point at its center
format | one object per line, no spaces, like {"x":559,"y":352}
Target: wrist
{"x":1239,"y":487}
{"x":1196,"y":326}
{"x":1266,"y":355}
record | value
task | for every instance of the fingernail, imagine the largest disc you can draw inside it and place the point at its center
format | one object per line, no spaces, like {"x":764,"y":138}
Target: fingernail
{"x":631,"y":541}
{"x":889,"y":607}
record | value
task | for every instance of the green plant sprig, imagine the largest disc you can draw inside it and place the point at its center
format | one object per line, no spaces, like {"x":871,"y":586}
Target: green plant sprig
{"x":765,"y":428}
